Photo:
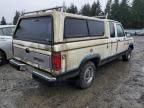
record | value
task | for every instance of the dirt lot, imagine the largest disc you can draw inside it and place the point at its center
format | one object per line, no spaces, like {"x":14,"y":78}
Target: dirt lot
{"x":117,"y":85}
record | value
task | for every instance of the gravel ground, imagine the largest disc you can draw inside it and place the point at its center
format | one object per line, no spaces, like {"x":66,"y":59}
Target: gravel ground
{"x":117,"y":85}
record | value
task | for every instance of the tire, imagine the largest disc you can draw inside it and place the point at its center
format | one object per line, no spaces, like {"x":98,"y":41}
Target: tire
{"x":86,"y":76}
{"x":2,"y":58}
{"x":127,"y":55}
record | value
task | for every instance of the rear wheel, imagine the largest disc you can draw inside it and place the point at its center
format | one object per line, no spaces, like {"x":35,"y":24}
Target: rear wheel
{"x":86,"y":76}
{"x":127,"y":55}
{"x":2,"y":58}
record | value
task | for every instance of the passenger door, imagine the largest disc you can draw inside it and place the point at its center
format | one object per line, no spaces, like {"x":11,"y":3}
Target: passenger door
{"x":120,"y":39}
{"x":113,"y":39}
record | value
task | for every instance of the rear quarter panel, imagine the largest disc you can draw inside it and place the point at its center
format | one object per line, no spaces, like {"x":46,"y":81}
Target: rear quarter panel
{"x":75,"y":52}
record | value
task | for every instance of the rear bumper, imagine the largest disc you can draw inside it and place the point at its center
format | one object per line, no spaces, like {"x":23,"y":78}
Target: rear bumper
{"x":35,"y":72}
{"x":41,"y":74}
{"x":44,"y":76}
{"x":20,"y":66}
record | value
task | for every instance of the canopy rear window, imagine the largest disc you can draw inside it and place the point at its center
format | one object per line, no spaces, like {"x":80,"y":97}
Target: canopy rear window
{"x":36,"y":29}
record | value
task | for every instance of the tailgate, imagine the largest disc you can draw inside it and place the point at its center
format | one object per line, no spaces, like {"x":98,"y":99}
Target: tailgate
{"x":35,"y":56}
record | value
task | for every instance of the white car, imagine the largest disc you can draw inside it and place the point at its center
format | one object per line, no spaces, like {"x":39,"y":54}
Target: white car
{"x":6,"y":32}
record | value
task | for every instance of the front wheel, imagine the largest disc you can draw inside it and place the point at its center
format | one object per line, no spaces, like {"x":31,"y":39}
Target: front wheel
{"x":86,"y":76}
{"x":127,"y":55}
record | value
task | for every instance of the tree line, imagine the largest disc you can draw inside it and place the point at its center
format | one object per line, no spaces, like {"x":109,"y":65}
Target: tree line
{"x":15,"y":18}
{"x":130,"y":14}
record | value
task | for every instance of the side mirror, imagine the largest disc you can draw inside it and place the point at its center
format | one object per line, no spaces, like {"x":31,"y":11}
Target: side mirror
{"x":128,"y":34}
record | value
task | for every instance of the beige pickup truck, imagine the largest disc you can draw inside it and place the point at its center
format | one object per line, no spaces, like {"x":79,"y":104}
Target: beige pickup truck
{"x":58,"y":45}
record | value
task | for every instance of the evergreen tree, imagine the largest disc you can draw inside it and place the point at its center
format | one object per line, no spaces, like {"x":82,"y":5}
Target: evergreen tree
{"x":96,"y":9}
{"x":3,"y":21}
{"x":108,"y":8}
{"x":93,"y":9}
{"x":115,"y":10}
{"x":16,"y":17}
{"x":99,"y":10}
{"x":86,"y":10}
{"x":138,"y":14}
{"x":22,"y":13}
{"x":72,"y":9}
{"x":124,"y":13}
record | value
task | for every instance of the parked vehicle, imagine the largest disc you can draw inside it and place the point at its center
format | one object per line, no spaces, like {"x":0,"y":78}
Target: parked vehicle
{"x":58,"y":45}
{"x":6,"y":32}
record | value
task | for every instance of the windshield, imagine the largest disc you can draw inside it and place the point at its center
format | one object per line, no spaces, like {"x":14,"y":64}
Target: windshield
{"x":37,"y":29}
{"x":8,"y":31}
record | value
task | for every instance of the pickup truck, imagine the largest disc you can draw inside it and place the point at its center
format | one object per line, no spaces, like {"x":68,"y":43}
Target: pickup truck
{"x":58,"y":45}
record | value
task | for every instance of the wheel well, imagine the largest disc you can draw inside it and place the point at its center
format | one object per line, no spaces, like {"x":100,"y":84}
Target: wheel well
{"x":3,"y":53}
{"x":96,"y":61}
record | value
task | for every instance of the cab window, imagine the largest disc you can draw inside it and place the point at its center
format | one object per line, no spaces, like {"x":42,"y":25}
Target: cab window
{"x":112,"y":30}
{"x":120,"y":31}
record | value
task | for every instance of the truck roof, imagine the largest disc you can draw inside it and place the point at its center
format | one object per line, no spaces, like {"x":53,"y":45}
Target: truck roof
{"x":54,"y":12}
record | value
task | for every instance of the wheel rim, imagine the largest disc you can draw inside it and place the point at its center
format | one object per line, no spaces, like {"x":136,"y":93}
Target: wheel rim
{"x":89,"y":74}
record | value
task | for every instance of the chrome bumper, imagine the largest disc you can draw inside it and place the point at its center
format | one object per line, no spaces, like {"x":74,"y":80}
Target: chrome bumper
{"x":20,"y":66}
{"x":44,"y":76}
{"x":35,"y":73}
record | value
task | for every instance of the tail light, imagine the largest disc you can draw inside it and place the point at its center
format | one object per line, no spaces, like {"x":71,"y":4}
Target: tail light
{"x":56,"y":61}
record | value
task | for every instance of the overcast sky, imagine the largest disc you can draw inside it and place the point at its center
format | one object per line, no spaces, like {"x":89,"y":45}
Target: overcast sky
{"x":8,"y":7}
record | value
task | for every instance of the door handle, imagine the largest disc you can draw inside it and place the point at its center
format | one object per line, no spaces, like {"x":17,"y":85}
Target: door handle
{"x":119,"y":40}
{"x":27,"y":50}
